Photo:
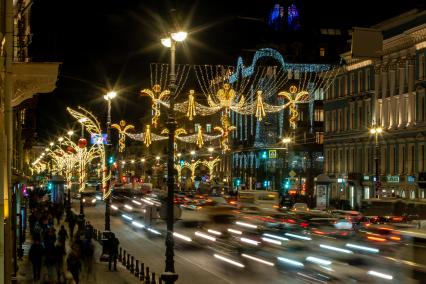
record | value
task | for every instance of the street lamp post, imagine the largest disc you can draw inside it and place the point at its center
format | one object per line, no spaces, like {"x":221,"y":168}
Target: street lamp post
{"x":108,"y":97}
{"x":169,"y":276}
{"x":376,"y":131}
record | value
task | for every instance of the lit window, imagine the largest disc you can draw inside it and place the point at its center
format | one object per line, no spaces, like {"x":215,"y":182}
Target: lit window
{"x":319,"y":137}
{"x":319,"y":115}
{"x":208,"y":128}
{"x":196,"y":126}
{"x":22,"y":114}
{"x":322,"y":51}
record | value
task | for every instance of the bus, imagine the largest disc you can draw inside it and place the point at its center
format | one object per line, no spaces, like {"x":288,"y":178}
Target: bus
{"x":264,"y":199}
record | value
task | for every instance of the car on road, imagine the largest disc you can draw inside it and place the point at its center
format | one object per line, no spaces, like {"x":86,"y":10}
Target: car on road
{"x":300,"y":207}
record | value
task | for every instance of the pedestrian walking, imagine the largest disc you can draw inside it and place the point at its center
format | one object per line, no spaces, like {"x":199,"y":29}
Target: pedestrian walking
{"x":88,"y":231}
{"x":59,"y":258}
{"x":35,"y":255}
{"x":74,"y":265}
{"x":113,"y":252}
{"x":62,"y":234}
{"x":50,"y":261}
{"x":88,"y":259}
{"x":71,"y":224}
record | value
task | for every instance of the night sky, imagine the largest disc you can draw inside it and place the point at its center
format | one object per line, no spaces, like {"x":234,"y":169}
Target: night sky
{"x":110,"y":44}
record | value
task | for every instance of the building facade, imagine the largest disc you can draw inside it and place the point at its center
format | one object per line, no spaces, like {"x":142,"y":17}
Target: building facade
{"x":388,"y":93}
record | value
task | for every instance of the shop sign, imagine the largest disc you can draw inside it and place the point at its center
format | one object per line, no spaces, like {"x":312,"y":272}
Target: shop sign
{"x":411,"y":179}
{"x":366,"y":178}
{"x":392,"y":179}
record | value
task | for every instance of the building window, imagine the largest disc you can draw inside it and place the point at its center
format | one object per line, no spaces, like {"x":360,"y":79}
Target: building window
{"x":352,"y":88}
{"x":322,"y":51}
{"x":360,"y":81}
{"x":319,"y":115}
{"x":422,"y":158}
{"x":196,"y":127}
{"x":412,"y":159}
{"x":421,"y":66}
{"x":404,"y":160}
{"x":22,"y":116}
{"x":208,"y":128}
{"x":367,"y":114}
{"x":319,"y":137}
{"x":422,"y":107}
{"x":359,"y":117}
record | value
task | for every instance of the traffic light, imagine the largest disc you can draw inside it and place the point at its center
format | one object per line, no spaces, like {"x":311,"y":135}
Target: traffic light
{"x":286,"y":184}
{"x":238,"y":182}
{"x":111,"y":160}
{"x":264,"y":155}
{"x":182,"y":162}
{"x":50,"y":186}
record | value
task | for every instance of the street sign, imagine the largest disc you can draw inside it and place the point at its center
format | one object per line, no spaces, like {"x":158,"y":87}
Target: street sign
{"x":272,"y":154}
{"x":292,"y":173}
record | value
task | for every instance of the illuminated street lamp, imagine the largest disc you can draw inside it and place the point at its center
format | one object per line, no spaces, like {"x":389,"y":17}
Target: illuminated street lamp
{"x":210,"y":149}
{"x":108,"y":97}
{"x":51,"y":144}
{"x":376,"y":131}
{"x":170,"y":276}
{"x":60,"y":139}
{"x":179,"y":154}
{"x":70,"y":133}
{"x":192,"y":152}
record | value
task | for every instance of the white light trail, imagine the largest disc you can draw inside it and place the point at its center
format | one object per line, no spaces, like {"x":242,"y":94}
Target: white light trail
{"x":217,"y":233}
{"x":290,"y":261}
{"x":98,"y":197}
{"x":137,"y":224}
{"x":127,"y":217}
{"x":380,"y":275}
{"x":128,"y":207}
{"x":249,"y":241}
{"x":154,"y":231}
{"x":276,"y":237}
{"x":136,"y":202}
{"x":317,"y":260}
{"x":114,"y":207}
{"x":335,"y":248}
{"x":268,"y":240}
{"x":298,"y":237}
{"x":205,"y":236}
{"x":94,"y":200}
{"x":147,"y":201}
{"x":185,"y":238}
{"x":363,"y":248}
{"x":258,"y":259}
{"x":246,"y":225}
{"x":233,"y":262}
{"x":235,"y":231}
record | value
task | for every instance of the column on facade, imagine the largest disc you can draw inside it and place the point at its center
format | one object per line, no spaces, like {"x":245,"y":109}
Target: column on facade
{"x":385,"y":104}
{"x":375,"y":114}
{"x":411,"y":95}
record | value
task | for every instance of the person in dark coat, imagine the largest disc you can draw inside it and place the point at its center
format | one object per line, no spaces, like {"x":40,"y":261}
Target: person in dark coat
{"x":113,"y":252}
{"x":71,"y":223}
{"x":62,"y":235}
{"x":35,"y":255}
{"x":74,"y":266}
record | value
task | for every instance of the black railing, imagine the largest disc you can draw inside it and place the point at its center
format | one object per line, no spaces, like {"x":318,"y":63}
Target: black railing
{"x":133,"y":265}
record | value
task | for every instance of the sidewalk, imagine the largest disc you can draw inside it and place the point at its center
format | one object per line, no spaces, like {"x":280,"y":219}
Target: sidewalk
{"x":100,"y":273}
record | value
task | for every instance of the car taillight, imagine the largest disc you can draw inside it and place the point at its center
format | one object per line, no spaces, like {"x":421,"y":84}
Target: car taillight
{"x":304,"y":225}
{"x":395,"y":238}
{"x":376,"y":239}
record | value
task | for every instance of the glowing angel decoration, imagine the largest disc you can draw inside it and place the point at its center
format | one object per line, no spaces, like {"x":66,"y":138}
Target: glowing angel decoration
{"x":260,"y":110}
{"x":191,"y":106}
{"x":122,"y":129}
{"x":294,"y":98}
{"x":147,"y":140}
{"x":200,"y":140}
{"x":225,"y":130}
{"x":157,"y":96}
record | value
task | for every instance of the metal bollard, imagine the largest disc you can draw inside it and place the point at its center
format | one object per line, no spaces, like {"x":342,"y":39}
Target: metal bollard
{"x":142,"y":273}
{"x":147,"y":280}
{"x":124,"y":258}
{"x":128,"y":262}
{"x":120,"y":254}
{"x":153,"y":278}
{"x":137,"y":268}
{"x":132,"y":265}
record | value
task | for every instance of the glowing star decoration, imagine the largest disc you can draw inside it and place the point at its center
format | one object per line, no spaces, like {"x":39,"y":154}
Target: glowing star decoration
{"x":122,"y":128}
{"x":225,"y":130}
{"x":157,"y":96}
{"x":294,"y":97}
{"x":147,"y":136}
{"x":191,"y":106}
{"x":92,"y":125}
{"x":200,"y":141}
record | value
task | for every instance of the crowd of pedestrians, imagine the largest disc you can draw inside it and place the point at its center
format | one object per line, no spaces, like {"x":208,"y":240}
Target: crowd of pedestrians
{"x":64,"y":254}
